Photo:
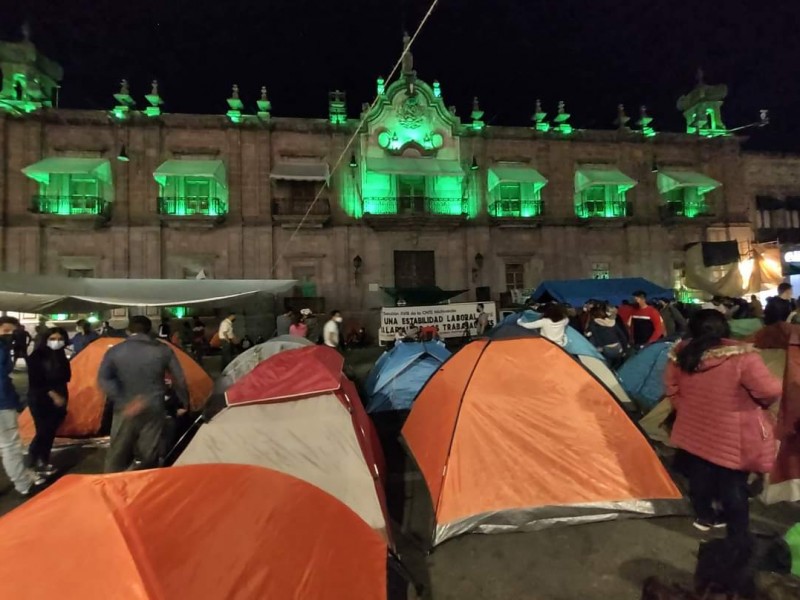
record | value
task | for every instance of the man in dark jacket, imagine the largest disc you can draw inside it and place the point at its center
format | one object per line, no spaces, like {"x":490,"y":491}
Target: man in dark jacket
{"x":133,"y":376}
{"x":25,"y":482}
{"x":779,"y":307}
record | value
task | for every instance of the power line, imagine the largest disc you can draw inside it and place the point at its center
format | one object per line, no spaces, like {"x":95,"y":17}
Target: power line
{"x":349,"y":144}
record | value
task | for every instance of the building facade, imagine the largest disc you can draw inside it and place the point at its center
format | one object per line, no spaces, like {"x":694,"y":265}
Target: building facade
{"x":407,"y":196}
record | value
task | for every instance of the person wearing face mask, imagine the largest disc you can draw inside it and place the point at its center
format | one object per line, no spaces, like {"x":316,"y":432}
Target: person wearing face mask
{"x":330,"y":332}
{"x":48,"y":375}
{"x":24,"y":480}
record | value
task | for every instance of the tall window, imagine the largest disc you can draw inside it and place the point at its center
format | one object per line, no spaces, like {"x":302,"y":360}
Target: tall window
{"x":510,"y":200}
{"x":686,"y":202}
{"x":601,"y":270}
{"x":793,"y":219}
{"x":764,"y":219}
{"x":601,"y":201}
{"x":186,"y":196}
{"x":515,"y":276}
{"x":70,"y":195}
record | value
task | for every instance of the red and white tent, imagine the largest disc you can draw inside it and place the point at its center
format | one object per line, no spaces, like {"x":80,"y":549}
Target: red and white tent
{"x":297,"y":413}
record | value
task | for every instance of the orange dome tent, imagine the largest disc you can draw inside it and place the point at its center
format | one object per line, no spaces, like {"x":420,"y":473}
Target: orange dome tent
{"x":204,"y":532}
{"x":87,"y":402}
{"x":515,"y":434}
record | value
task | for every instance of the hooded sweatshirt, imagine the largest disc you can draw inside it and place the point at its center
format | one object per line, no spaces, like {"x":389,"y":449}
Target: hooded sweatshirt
{"x":720,"y":407}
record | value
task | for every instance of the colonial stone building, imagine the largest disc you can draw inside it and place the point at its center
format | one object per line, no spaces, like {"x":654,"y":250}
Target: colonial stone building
{"x":419,"y":198}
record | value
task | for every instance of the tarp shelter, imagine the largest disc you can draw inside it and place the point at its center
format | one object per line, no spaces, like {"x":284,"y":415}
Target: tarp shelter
{"x":577,"y":345}
{"x":247,"y":360}
{"x":297,"y":413}
{"x":642,"y":375}
{"x":87,"y":401}
{"x":422,"y":296}
{"x":46,"y":294}
{"x":578,"y":291}
{"x":401,"y":373}
{"x":515,"y":435}
{"x":203,"y":532}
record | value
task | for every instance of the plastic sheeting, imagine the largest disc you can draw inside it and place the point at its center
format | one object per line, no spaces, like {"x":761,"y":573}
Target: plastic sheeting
{"x":497,"y":445}
{"x":87,"y":401}
{"x":250,"y":358}
{"x":45,"y":294}
{"x":401,"y":373}
{"x":199,"y":532}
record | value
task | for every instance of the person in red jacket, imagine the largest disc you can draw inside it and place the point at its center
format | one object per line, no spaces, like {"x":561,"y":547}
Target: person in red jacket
{"x":644,"y":323}
{"x":720,"y":390}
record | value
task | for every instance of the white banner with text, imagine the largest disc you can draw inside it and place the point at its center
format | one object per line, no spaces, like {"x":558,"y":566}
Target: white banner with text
{"x":451,"y":320}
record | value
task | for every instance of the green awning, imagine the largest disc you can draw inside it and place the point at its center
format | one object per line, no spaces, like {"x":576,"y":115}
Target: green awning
{"x":213,"y":169}
{"x":672,"y":180}
{"x":68,"y":165}
{"x":429,"y":167}
{"x":300,"y":171}
{"x":592,"y":176}
{"x":515,"y":173}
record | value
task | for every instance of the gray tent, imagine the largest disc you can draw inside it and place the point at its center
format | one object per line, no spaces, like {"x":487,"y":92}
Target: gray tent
{"x":247,"y":361}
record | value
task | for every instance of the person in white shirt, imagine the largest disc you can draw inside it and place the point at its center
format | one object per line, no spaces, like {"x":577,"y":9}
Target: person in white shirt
{"x":227,"y":339}
{"x":553,"y":324}
{"x":330,"y":332}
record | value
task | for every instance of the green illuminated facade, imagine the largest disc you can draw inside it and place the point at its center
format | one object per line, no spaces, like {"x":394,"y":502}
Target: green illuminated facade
{"x":418,"y":196}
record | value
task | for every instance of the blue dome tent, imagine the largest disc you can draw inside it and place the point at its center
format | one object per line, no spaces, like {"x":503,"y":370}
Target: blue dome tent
{"x":577,"y":345}
{"x":642,"y":375}
{"x":578,"y":291}
{"x":401,"y":373}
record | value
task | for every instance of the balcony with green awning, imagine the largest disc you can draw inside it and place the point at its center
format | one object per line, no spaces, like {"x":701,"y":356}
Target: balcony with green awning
{"x":192,"y":188}
{"x":684,"y":193}
{"x":515,"y":191}
{"x":414,"y":188}
{"x":72,"y":186}
{"x":600,"y":193}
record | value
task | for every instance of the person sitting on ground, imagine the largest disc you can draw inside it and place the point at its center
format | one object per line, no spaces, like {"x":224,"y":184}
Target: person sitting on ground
{"x":779,"y":307}
{"x":720,"y":389}
{"x":756,"y":308}
{"x":553,"y":324}
{"x":606,"y":335}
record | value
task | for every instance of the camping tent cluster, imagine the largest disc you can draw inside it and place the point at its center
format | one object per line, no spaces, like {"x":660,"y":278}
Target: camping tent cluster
{"x":286,"y":480}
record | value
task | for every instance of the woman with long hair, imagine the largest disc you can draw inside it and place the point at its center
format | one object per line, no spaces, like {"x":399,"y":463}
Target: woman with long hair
{"x":720,"y":390}
{"x":48,"y":375}
{"x":552,"y":325}
{"x":606,"y":335}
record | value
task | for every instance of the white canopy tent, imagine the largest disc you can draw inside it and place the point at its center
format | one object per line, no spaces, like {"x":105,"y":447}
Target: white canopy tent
{"x":50,"y":294}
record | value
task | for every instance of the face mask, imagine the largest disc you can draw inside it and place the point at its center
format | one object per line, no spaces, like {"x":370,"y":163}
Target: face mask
{"x":55,"y":344}
{"x":337,"y":319}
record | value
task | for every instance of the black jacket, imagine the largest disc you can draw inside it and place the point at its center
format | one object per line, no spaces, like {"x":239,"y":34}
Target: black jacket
{"x":48,"y":371}
{"x":777,"y":310}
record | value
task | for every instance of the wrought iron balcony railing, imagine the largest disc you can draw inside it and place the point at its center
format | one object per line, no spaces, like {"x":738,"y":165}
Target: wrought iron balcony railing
{"x":192,"y":207}
{"x":70,"y":205}
{"x":516,"y":208}
{"x":603,"y":209}
{"x":684,"y":210}
{"x":415,"y":205}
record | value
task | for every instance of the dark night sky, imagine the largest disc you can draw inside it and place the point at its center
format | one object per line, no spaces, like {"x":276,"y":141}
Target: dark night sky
{"x":593,"y":54}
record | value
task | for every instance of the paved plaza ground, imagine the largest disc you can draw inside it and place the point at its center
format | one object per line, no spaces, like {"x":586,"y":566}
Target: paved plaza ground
{"x":602,"y":560}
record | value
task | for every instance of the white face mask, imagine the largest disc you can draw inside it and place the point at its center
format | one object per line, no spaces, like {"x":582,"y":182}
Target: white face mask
{"x":55,"y":344}
{"x":337,"y":319}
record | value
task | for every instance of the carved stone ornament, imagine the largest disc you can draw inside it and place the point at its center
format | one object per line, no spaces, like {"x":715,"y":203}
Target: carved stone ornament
{"x":411,"y":113}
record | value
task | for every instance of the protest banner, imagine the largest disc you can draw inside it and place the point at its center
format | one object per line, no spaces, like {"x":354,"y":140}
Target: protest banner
{"x":452,"y":320}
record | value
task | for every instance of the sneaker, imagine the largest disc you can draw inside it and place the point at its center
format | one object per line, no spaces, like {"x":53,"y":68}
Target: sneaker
{"x":46,"y":470}
{"x":704,"y":526}
{"x":37,"y":486}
